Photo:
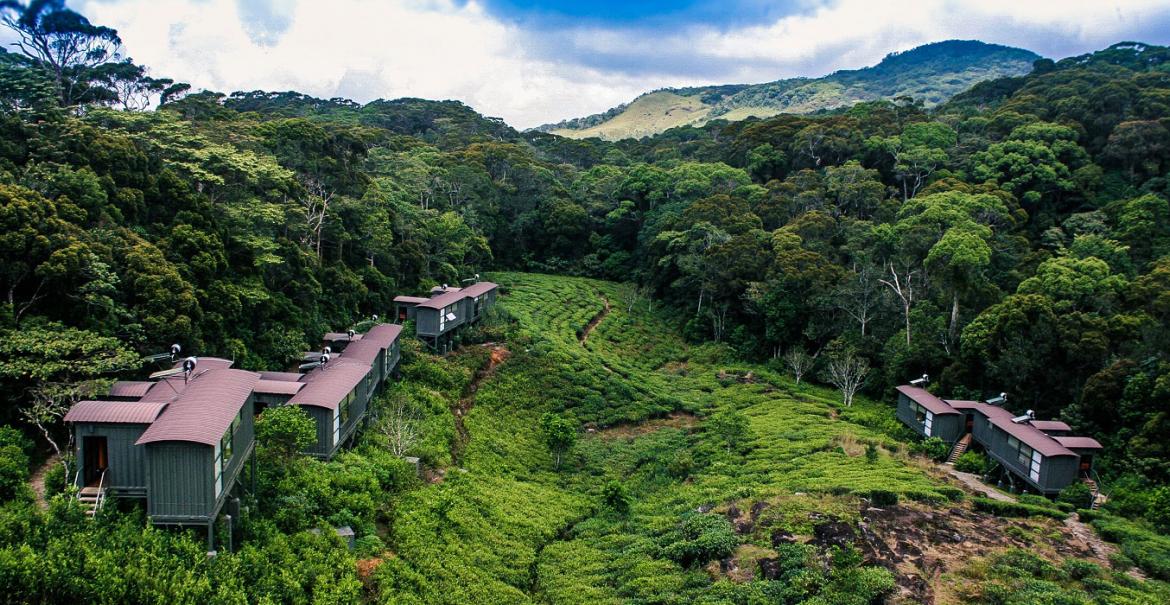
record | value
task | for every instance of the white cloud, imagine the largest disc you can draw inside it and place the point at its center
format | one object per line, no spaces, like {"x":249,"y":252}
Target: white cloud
{"x":366,"y":49}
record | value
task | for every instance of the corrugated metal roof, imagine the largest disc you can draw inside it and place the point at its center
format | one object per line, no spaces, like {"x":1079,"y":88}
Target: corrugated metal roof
{"x":285,"y":376}
{"x":338,"y":336}
{"x":114,"y":412}
{"x":130,"y":388}
{"x":361,"y":352}
{"x":1049,"y":426}
{"x":205,"y":409}
{"x":1079,"y":443}
{"x":446,"y":299}
{"x":413,"y":300}
{"x":326,"y":386}
{"x":925,"y":399}
{"x":1031,"y":436}
{"x":278,"y":387}
{"x":170,"y":387}
{"x":478,"y":288}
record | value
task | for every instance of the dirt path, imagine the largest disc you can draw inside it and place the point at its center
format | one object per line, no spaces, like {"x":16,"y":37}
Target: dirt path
{"x":37,"y":480}
{"x":973,"y":483}
{"x":593,"y":322}
{"x":676,"y":420}
{"x":499,"y":353}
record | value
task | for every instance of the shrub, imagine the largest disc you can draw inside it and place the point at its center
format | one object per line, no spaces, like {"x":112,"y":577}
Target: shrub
{"x":883,"y":498}
{"x":55,"y":480}
{"x":1016,"y":509}
{"x":934,"y":448}
{"x":700,"y":538}
{"x":13,"y":471}
{"x":616,"y":496}
{"x":1077,"y":494}
{"x":971,"y":462}
{"x":871,"y":453}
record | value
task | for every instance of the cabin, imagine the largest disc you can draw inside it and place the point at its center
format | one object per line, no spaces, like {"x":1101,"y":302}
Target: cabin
{"x":181,"y":446}
{"x":335,"y":396}
{"x":196,"y":449}
{"x":928,"y":415}
{"x":404,"y":307}
{"x":1036,"y":455}
{"x":437,"y":319}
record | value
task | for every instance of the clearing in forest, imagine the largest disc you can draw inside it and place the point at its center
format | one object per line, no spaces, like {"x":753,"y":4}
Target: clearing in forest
{"x":511,"y":528}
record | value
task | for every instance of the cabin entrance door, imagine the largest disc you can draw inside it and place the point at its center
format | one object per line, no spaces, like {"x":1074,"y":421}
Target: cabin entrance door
{"x":96,"y":458}
{"x":970,"y":423}
{"x":1086,"y":464}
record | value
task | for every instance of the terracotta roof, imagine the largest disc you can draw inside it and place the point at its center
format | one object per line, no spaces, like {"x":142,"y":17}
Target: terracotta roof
{"x":170,"y":387}
{"x":361,"y":352}
{"x":285,"y":376}
{"x":1031,"y":436}
{"x":414,"y":300}
{"x":326,"y":386}
{"x":448,"y":298}
{"x":114,"y":412}
{"x":205,"y":409}
{"x":278,"y":387}
{"x":1049,"y":426}
{"x":1079,"y":443}
{"x":479,"y":288}
{"x":130,"y":388}
{"x":383,"y":334}
{"x":925,"y":399}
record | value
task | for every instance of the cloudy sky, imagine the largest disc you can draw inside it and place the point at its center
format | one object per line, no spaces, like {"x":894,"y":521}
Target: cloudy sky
{"x":533,"y":62}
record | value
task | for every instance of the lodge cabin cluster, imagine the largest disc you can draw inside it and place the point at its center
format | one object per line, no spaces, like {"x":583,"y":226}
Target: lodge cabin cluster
{"x":1041,"y":456}
{"x":182,"y":441}
{"x":438,"y":318}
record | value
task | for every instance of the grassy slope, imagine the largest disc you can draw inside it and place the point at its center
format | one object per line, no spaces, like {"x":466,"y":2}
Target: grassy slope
{"x":647,"y":115}
{"x":508,"y":528}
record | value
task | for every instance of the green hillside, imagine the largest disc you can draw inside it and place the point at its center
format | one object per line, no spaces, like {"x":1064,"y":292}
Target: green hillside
{"x":930,"y":74}
{"x":514,"y":528}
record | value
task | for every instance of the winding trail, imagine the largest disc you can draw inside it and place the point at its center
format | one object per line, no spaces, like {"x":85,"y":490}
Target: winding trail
{"x":499,"y":354}
{"x":596,"y":320}
{"x":37,"y":480}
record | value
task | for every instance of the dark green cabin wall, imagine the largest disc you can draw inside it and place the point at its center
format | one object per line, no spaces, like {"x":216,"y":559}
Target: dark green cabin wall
{"x":179,"y":481}
{"x":126,"y":461}
{"x":948,"y":427}
{"x":323,"y":418}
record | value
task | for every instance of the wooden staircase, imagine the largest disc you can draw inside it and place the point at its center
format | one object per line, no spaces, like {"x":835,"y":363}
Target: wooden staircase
{"x":93,"y":497}
{"x":960,"y":447}
{"x":1098,"y":497}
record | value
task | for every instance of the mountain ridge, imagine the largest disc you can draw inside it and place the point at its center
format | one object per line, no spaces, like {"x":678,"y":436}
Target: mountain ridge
{"x":931,"y":73}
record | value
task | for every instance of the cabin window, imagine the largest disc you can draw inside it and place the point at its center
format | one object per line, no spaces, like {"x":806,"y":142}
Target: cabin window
{"x":228,"y":440}
{"x":924,"y":417}
{"x":217,"y":469}
{"x":336,"y":425}
{"x":345,"y":404}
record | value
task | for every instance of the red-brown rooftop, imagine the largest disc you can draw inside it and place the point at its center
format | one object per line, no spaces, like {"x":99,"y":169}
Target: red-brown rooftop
{"x":205,"y":409}
{"x":115,"y":412}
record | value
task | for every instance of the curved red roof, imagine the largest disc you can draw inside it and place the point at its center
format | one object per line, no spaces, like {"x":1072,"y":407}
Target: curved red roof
{"x":205,"y":409}
{"x":278,"y":387}
{"x":114,"y":412}
{"x":326,"y":386}
{"x":130,"y":388}
{"x":1079,"y":443}
{"x":923,"y":397}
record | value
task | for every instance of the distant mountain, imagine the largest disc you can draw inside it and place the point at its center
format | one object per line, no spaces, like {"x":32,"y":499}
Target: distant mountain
{"x":931,"y":73}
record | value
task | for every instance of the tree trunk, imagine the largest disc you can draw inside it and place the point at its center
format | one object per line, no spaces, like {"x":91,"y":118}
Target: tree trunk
{"x":954,"y":316}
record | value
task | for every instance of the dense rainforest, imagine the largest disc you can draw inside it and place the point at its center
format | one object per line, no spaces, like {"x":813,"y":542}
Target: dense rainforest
{"x":1015,"y":239}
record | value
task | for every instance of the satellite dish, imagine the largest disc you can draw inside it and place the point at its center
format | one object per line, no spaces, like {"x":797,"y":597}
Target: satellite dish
{"x":375,"y":317}
{"x":327,"y":350}
{"x":189,"y":364}
{"x":324,"y":358}
{"x":349,"y":333}
{"x":175,"y":350}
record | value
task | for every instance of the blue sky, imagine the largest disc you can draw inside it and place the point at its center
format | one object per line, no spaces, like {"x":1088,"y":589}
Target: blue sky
{"x":533,"y":62}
